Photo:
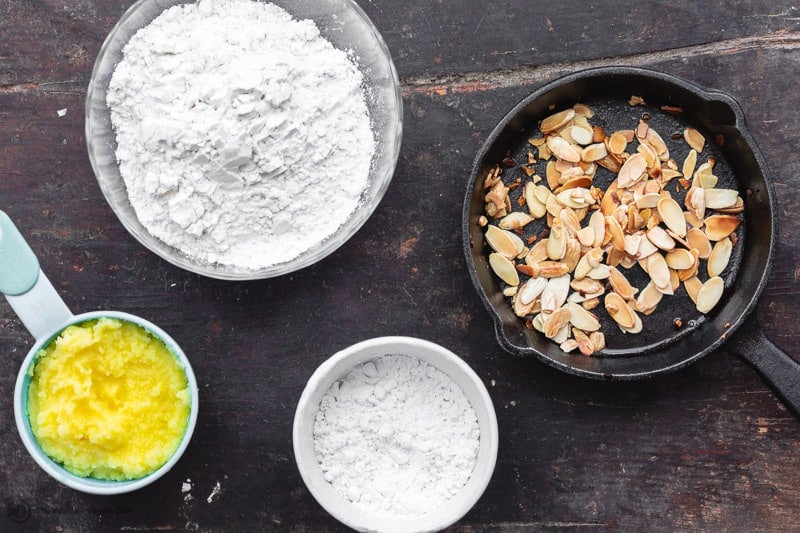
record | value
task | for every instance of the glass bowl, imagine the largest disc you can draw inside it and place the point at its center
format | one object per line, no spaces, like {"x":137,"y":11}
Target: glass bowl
{"x":340,"y":364}
{"x":347,"y":27}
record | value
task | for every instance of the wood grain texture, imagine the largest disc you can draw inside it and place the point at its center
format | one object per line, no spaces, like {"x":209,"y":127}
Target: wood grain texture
{"x":708,"y":448}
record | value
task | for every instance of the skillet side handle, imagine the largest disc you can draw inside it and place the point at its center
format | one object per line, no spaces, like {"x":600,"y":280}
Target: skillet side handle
{"x":779,"y":371}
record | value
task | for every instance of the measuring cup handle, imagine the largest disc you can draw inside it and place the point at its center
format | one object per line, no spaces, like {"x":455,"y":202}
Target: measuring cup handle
{"x":779,"y":370}
{"x":28,"y":291}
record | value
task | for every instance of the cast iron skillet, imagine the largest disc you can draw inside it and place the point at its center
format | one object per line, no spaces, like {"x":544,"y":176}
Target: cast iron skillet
{"x":662,"y":347}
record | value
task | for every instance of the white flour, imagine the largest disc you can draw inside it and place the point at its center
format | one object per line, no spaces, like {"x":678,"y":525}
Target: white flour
{"x":243,"y":135}
{"x":396,"y":436}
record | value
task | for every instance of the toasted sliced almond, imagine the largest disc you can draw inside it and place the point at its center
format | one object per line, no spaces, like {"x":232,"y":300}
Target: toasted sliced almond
{"x":692,"y":220}
{"x":582,"y":181}
{"x":692,"y":270}
{"x":646,"y":248}
{"x":657,"y":143}
{"x":594,"y":152}
{"x":694,"y":139}
{"x":583,"y":110}
{"x":569,"y":345}
{"x":721,"y":198}
{"x":619,"y":310}
{"x":658,"y":270}
{"x":537,"y":253}
{"x":515,"y":220}
{"x":549,"y":269}
{"x":590,"y":303}
{"x":648,"y":200}
{"x":575,"y":198}
{"x":633,"y":169}
{"x":698,"y":240}
{"x":615,"y":231}
{"x":555,"y":293}
{"x":679,"y":259}
{"x":504,"y":268}
{"x":660,"y":238}
{"x":584,"y":344}
{"x":599,"y":272}
{"x":573,"y":254}
{"x":553,"y":206}
{"x":620,"y":284}
{"x":535,"y":207}
{"x":616,"y":143}
{"x":557,"y":320}
{"x":672,"y":215}
{"x":632,"y":243}
{"x":710,"y":294}
{"x":556,"y":243}
{"x":696,"y":201}
{"x":719,"y":257}
{"x":538,"y":322}
{"x":531,"y":290}
{"x":598,"y":340}
{"x":692,"y":286}
{"x":557,"y":120}
{"x":581,"y":318}
{"x":553,"y":175}
{"x":587,"y":285}
{"x":563,"y":149}
{"x":648,"y":299}
{"x":503,"y":242}
{"x":736,"y":208}
{"x":720,"y":226}
{"x":581,"y":135}
{"x":690,"y":163}
{"x":707,"y":181}
{"x":598,"y":224}
{"x":523,"y":309}
{"x":586,"y":236}
{"x":637,"y":325}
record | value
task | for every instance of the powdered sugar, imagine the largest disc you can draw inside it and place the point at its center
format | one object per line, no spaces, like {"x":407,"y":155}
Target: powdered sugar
{"x":396,"y":436}
{"x":243,"y":135}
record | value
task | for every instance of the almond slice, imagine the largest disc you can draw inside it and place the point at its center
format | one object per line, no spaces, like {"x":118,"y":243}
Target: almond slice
{"x":619,"y":310}
{"x":617,"y":143}
{"x":719,"y":257}
{"x":721,"y":198}
{"x":694,"y":139}
{"x":555,"y":293}
{"x":720,"y":226}
{"x":690,"y":163}
{"x":620,"y":284}
{"x":557,"y":120}
{"x":504,"y":268}
{"x":660,"y":238}
{"x":648,"y":299}
{"x":515,"y":220}
{"x":531,"y":290}
{"x":594,"y":152}
{"x":710,"y":294}
{"x":563,"y":149}
{"x":581,"y":318}
{"x":535,"y":207}
{"x":557,"y":320}
{"x":598,"y":224}
{"x":698,"y":240}
{"x":692,"y":286}
{"x":503,"y":242}
{"x":680,"y":259}
{"x":672,"y":215}
{"x":632,"y":170}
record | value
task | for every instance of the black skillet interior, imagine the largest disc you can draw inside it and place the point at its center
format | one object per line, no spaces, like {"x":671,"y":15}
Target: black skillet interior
{"x":661,"y":346}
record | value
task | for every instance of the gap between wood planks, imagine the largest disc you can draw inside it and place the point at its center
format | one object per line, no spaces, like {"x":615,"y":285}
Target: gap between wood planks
{"x":482,"y":81}
{"x":525,"y":75}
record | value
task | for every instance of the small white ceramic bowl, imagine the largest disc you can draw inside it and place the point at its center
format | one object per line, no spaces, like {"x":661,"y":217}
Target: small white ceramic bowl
{"x":336,"y":367}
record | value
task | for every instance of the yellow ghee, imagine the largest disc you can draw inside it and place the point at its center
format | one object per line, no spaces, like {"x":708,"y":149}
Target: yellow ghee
{"x":108,"y":400}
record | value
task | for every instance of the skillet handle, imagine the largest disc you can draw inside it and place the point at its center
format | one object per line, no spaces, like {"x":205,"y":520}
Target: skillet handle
{"x":779,"y":371}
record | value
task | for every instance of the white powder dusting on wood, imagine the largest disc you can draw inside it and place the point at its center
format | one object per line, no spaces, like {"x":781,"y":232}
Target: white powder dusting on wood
{"x":396,"y":436}
{"x":243,"y":135}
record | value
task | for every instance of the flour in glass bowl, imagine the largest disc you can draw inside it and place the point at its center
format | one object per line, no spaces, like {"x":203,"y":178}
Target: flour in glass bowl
{"x":396,"y":436}
{"x":243,"y":135}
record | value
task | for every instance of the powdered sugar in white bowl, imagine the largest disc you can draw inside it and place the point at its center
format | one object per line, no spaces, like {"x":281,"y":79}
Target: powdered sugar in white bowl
{"x":395,"y":434}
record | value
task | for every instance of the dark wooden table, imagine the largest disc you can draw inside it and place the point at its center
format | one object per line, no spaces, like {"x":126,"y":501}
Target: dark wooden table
{"x":706,"y":448}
